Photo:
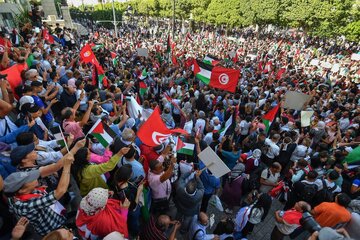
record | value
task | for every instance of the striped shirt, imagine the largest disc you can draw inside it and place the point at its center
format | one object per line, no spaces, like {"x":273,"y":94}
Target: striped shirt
{"x":151,"y":232}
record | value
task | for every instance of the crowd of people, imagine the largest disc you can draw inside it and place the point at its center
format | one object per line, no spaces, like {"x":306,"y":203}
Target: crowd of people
{"x":128,"y":190}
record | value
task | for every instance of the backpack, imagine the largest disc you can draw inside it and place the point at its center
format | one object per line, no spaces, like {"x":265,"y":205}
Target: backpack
{"x":309,"y":192}
{"x":325,"y":194}
{"x":253,"y":182}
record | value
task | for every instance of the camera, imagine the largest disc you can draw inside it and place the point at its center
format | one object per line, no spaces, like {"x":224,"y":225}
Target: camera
{"x":308,"y":223}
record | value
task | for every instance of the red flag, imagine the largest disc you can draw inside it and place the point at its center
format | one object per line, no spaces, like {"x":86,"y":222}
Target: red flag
{"x":48,"y":37}
{"x":189,"y":62}
{"x":3,"y":42}
{"x":154,"y":131}
{"x":217,"y":77}
{"x":113,"y":55}
{"x":14,"y":74}
{"x":280,"y":73}
{"x":235,"y":58}
{"x":174,"y":60}
{"x":86,"y":54}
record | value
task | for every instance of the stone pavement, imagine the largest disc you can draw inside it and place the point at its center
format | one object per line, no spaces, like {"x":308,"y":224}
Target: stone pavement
{"x":262,"y":231}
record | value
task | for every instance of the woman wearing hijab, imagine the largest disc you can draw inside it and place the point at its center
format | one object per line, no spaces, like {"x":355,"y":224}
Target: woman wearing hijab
{"x":249,"y":216}
{"x":98,"y":215}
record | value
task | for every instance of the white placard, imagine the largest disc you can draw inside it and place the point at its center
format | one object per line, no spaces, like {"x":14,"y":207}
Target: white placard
{"x":314,"y":62}
{"x":355,"y":56}
{"x":295,"y":100}
{"x":335,"y":67}
{"x":142,"y":52}
{"x":213,"y":162}
{"x":306,"y":118}
{"x":326,"y":65}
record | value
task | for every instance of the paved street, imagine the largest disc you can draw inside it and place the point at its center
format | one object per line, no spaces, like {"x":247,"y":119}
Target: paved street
{"x":261,"y":231}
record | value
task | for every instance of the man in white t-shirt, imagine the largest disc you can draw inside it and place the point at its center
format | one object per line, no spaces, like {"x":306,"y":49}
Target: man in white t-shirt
{"x":270,"y":177}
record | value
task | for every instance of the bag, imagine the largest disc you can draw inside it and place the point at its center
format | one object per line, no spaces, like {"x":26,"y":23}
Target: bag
{"x":277,"y":190}
{"x":217,"y":203}
{"x":308,"y":193}
{"x":325,"y":194}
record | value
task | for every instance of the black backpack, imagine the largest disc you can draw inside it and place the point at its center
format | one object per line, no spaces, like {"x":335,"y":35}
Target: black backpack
{"x":325,"y":194}
{"x":309,"y":192}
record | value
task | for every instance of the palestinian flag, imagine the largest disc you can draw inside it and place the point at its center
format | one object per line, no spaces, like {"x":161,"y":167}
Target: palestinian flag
{"x":114,"y":58}
{"x":142,"y":88}
{"x":353,"y":157}
{"x":187,"y":149}
{"x":30,"y":60}
{"x":223,"y":131}
{"x":269,"y":117}
{"x":102,"y":133}
{"x":217,"y":77}
{"x":184,"y":147}
{"x":58,"y":135}
{"x":211,"y":60}
{"x":144,"y":74}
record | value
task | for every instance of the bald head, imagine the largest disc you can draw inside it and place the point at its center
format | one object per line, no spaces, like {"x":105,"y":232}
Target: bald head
{"x":203,"y":218}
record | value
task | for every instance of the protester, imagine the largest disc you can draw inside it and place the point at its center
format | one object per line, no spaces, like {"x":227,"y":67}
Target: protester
{"x":305,"y":153}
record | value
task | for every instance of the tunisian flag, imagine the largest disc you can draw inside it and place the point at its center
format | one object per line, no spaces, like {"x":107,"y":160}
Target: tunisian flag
{"x":47,"y":36}
{"x":14,"y":74}
{"x":86,"y":54}
{"x":154,"y":131}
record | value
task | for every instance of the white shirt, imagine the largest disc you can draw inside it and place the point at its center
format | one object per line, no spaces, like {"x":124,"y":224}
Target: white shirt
{"x":244,"y":127}
{"x":274,"y":149}
{"x":208,"y":138}
{"x":189,"y":126}
{"x":200,"y":123}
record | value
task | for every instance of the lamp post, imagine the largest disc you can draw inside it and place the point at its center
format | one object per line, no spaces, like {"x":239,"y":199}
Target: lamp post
{"x":114,"y":15}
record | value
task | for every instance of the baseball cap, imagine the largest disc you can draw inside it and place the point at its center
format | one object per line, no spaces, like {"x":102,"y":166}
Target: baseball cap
{"x":25,"y":99}
{"x":20,"y":152}
{"x":17,"y":179}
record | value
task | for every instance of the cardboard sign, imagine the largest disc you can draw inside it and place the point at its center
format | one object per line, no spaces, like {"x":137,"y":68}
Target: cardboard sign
{"x":314,"y":62}
{"x":142,"y":52}
{"x":213,"y":162}
{"x":355,"y":56}
{"x":335,"y":67}
{"x":326,"y":65}
{"x":306,"y":118}
{"x":295,"y":100}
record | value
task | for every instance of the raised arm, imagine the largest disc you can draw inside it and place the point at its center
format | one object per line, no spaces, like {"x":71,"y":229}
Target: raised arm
{"x":86,"y":116}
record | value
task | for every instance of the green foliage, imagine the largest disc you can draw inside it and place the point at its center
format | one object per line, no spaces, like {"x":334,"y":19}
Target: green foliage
{"x":21,"y":18}
{"x":324,"y":18}
{"x":352,"y":31}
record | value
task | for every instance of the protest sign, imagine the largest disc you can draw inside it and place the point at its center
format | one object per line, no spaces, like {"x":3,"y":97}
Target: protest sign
{"x":355,"y":56}
{"x":306,"y":118}
{"x":142,"y":52}
{"x":213,"y":162}
{"x":295,"y":100}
